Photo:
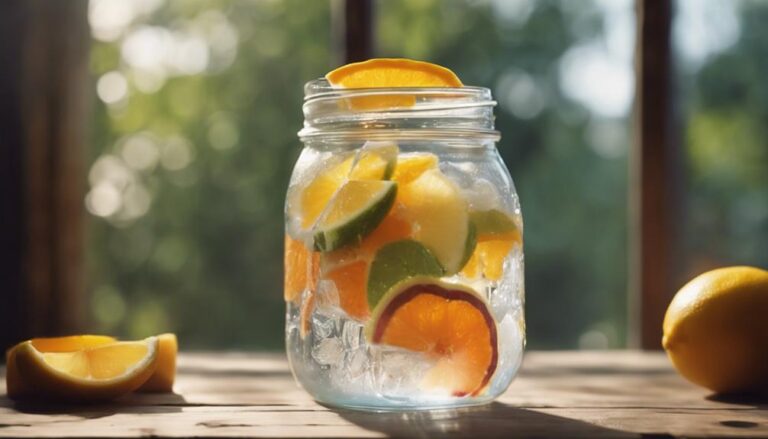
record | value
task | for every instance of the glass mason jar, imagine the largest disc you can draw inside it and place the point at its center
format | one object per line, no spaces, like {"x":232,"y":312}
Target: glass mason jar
{"x":403,"y":250}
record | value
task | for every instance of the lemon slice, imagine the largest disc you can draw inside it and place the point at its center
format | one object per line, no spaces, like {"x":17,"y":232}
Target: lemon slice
{"x":96,"y":373}
{"x":354,"y":212}
{"x":374,"y":161}
{"x":165,"y":372}
{"x":15,"y":385}
{"x":434,"y":204}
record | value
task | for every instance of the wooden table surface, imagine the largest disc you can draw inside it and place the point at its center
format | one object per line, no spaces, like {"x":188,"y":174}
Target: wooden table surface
{"x":558,"y":394}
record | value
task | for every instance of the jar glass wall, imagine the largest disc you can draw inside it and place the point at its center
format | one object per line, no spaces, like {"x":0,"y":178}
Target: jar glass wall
{"x":403,"y":258}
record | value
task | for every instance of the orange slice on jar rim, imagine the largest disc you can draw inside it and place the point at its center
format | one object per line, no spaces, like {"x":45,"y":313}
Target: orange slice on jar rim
{"x":449,"y":323}
{"x":390,"y":73}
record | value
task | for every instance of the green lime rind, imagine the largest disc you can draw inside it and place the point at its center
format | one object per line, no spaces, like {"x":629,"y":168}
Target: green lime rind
{"x":359,"y":225}
{"x":397,"y":261}
{"x":469,"y":247}
{"x":492,"y":222}
{"x":385,"y":150}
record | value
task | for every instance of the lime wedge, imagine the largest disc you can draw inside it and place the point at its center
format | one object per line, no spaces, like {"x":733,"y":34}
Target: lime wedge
{"x":375,"y":161}
{"x":354,"y":212}
{"x":492,"y":222}
{"x":397,"y":261}
{"x":469,"y":246}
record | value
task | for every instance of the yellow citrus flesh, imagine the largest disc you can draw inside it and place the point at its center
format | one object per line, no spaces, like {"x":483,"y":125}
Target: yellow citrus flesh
{"x":716,"y":333}
{"x":319,"y":192}
{"x":15,"y":385}
{"x":165,"y":373}
{"x":366,"y":165}
{"x":439,"y":213}
{"x":96,"y":373}
{"x":392,"y":72}
{"x":446,"y":322}
{"x":409,"y":168}
{"x":489,"y":255}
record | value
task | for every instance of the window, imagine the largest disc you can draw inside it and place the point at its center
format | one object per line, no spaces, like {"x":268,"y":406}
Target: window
{"x":724,"y":98}
{"x":195,"y":138}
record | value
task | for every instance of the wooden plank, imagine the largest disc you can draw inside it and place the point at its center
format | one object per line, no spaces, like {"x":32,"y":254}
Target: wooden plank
{"x":45,"y":78}
{"x":558,"y":394}
{"x":654,"y":177}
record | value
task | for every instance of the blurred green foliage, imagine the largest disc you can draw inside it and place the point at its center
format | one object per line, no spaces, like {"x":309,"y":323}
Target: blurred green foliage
{"x":205,"y":260}
{"x":725,"y":102}
{"x":194,"y":138}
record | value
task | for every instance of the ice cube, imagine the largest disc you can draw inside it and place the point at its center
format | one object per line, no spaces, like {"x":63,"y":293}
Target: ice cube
{"x":483,"y":195}
{"x":508,"y":292}
{"x":328,"y":351}
{"x":399,"y":372}
{"x":356,"y":363}
{"x":327,"y":297}
{"x":322,"y":325}
{"x":511,"y":343}
{"x":351,"y":333}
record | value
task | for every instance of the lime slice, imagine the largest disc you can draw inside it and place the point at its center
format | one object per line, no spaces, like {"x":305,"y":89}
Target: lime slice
{"x":470,"y":245}
{"x":354,"y":212}
{"x":434,"y":204}
{"x":397,"y":261}
{"x":375,"y":161}
{"x":492,"y":222}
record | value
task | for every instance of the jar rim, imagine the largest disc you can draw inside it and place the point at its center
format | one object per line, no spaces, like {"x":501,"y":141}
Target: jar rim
{"x":452,"y":111}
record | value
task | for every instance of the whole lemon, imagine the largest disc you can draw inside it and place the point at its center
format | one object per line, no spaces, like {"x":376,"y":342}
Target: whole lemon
{"x":716,"y":330}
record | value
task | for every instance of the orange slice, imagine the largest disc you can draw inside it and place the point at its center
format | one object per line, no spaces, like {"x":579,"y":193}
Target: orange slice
{"x":301,"y":269}
{"x":15,"y":385}
{"x":351,"y":280}
{"x":447,"y":322}
{"x":390,"y":72}
{"x":348,"y":267}
{"x":488,"y":257}
{"x":100,"y":372}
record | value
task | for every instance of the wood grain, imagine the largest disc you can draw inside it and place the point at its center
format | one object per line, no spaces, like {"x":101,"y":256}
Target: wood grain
{"x":558,"y":394}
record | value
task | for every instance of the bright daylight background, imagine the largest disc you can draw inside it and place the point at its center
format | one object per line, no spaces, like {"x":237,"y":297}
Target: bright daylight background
{"x":197,"y":105}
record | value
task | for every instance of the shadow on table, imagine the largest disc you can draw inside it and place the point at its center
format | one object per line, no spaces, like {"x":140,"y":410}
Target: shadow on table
{"x":133,"y":403}
{"x":751,"y":400}
{"x":493,"y":420}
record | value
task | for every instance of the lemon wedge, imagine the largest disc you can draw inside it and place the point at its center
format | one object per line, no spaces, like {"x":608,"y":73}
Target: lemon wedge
{"x":95,"y":373}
